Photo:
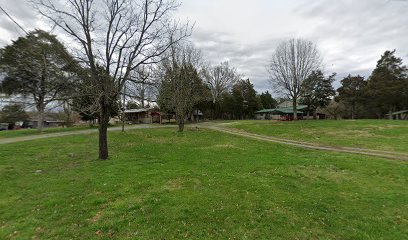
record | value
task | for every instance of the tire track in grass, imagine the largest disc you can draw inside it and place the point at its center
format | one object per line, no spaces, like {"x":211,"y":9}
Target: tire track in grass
{"x":361,"y":151}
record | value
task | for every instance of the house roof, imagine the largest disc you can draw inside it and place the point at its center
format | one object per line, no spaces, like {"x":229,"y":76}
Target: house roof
{"x":399,"y":112}
{"x":285,"y":110}
{"x":138,"y":110}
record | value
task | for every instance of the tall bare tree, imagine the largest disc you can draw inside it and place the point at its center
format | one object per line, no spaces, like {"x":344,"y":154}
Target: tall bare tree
{"x":142,"y":85}
{"x":291,"y":63}
{"x":220,"y":79}
{"x":181,"y":88}
{"x":115,"y":37}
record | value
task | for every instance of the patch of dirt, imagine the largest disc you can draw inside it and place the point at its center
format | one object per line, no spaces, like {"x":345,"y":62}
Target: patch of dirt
{"x":351,"y":133}
{"x":174,"y":184}
{"x":97,"y":217}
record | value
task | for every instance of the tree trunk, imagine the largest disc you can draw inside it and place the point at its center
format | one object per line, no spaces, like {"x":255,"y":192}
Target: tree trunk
{"x":180,"y":122}
{"x":142,"y":98}
{"x":40,"y":123}
{"x":315,"y":114}
{"x":295,"y":109}
{"x":352,"y":111}
{"x":103,"y":130}
{"x":390,"y":114}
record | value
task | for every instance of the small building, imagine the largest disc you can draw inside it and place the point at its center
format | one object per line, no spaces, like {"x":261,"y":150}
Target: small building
{"x":280,"y":113}
{"x":142,"y":115}
{"x":283,"y":112}
{"x":46,"y":123}
{"x":400,"y":115}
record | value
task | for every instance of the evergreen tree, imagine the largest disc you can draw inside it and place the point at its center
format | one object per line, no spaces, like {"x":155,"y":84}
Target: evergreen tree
{"x":267,"y":101}
{"x":13,"y":113}
{"x":387,"y":85}
{"x":39,"y":67}
{"x":245,"y":100}
{"x":352,"y":92}
{"x":318,"y":91}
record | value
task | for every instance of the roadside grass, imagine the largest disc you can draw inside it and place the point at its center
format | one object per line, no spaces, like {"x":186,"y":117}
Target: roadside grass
{"x":159,"y":184}
{"x":373,"y":134}
{"x":29,"y":132}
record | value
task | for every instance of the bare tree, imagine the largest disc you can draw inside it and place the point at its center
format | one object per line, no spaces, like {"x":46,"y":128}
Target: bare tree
{"x":220,"y":79}
{"x":335,"y":109}
{"x":181,"y":88}
{"x":142,"y":85}
{"x":291,"y":63}
{"x":115,"y":37}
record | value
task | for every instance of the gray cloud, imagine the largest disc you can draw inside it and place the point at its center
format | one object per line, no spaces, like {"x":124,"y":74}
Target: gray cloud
{"x":23,"y":13}
{"x":350,"y":34}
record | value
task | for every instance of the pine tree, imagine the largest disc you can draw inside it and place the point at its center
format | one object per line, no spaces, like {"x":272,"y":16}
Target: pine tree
{"x":39,"y":67}
{"x":13,"y":113}
{"x":387,"y":85}
{"x":352,"y":92}
{"x":318,"y":91}
{"x":267,"y":101}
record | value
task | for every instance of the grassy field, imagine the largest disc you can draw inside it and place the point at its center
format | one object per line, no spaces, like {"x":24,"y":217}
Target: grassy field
{"x":29,"y":132}
{"x":159,"y":184}
{"x":374,"y":134}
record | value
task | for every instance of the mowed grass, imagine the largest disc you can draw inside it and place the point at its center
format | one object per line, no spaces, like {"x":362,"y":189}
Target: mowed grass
{"x":374,"y":134}
{"x":30,"y":132}
{"x":159,"y":184}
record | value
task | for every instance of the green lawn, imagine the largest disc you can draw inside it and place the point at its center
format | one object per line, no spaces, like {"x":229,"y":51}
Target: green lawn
{"x":28,"y":132}
{"x":159,"y":184}
{"x":375,"y":134}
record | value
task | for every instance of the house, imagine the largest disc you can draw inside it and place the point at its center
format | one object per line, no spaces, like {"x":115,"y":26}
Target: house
{"x":280,"y":113}
{"x":46,"y":123}
{"x":142,"y":115}
{"x":153,"y":115}
{"x":400,"y":115}
{"x":284,"y":112}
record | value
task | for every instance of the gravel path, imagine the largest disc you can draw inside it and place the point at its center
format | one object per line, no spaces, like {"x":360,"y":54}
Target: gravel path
{"x":70,"y":133}
{"x":362,"y":151}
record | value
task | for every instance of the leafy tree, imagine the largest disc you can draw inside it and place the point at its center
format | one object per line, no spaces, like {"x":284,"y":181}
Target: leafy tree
{"x":335,"y":109}
{"x":13,"y":113}
{"x":244,"y":100}
{"x":37,"y":66}
{"x":267,"y":101}
{"x":318,"y":91}
{"x":227,"y":106}
{"x":387,"y":85}
{"x":352,"y":92}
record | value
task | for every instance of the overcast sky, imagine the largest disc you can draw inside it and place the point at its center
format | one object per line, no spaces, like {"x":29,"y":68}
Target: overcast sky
{"x":351,"y":34}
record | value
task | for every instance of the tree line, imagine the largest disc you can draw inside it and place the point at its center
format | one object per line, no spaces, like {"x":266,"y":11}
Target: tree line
{"x":383,"y":92}
{"x":135,"y":49}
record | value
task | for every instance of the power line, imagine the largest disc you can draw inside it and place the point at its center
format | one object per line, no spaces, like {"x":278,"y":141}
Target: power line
{"x":12,"y":19}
